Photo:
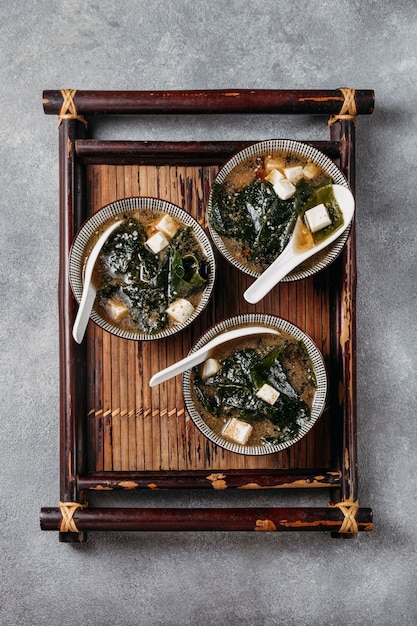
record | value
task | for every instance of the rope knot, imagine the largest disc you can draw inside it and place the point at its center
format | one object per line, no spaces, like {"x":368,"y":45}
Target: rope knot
{"x":68,"y":109}
{"x":348,"y":110}
{"x":68,"y":509}
{"x":349,"y":508}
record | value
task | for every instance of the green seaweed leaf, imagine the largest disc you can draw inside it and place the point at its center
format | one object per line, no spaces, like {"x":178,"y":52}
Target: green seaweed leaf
{"x":232,"y":391}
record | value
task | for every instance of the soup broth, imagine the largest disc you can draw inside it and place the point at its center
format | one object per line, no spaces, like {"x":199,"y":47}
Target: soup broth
{"x":256,"y":209}
{"x":150,"y":274}
{"x":244,"y":367}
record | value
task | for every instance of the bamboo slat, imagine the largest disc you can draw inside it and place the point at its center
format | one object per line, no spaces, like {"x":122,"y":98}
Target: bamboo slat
{"x":136,"y":428}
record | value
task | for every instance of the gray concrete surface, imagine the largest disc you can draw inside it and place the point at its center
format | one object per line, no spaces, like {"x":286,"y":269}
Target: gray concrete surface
{"x":174,"y":579}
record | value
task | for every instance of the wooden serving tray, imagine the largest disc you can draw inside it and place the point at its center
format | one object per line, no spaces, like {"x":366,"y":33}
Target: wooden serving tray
{"x":119,"y":434}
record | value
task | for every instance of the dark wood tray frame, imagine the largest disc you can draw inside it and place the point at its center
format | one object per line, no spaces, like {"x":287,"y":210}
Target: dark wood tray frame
{"x":342,"y":516}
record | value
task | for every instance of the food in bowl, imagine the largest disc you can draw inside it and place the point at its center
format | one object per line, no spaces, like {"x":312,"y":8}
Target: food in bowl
{"x":265,"y":194}
{"x":260,"y":387}
{"x":150,"y":273}
{"x":258,"y":394}
{"x":155,"y":272}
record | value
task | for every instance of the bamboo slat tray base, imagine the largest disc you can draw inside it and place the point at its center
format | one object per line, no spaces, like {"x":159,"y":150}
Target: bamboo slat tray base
{"x":117,"y":432}
{"x":132,"y":427}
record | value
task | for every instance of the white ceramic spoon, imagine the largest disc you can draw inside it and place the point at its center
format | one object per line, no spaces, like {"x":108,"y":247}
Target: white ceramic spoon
{"x":200,"y":355}
{"x":89,"y":291}
{"x":291,"y":257}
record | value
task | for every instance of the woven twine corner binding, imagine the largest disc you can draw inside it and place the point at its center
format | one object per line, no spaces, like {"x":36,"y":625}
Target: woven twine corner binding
{"x":68,"y":109}
{"x":68,"y":509}
{"x":349,"y":508}
{"x":348,"y":110}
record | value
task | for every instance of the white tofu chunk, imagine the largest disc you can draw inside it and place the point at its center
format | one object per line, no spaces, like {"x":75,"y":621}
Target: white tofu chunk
{"x":284,"y":189}
{"x":210,"y":367}
{"x":116,"y":309}
{"x":317,"y":218}
{"x":273,"y":176}
{"x":157,"y":242}
{"x":271,"y":163}
{"x":294,"y":173}
{"x":237,"y":431}
{"x":268,"y":394}
{"x":167,"y":225}
{"x":310,"y":170}
{"x":180,"y":310}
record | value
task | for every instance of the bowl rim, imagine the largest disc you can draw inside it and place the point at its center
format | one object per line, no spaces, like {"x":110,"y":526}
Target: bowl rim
{"x":131,"y":204}
{"x":305,"y":150}
{"x":320,"y":396}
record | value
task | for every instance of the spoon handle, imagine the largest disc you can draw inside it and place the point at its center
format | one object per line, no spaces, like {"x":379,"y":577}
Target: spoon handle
{"x":272,"y":275}
{"x":200,"y":355}
{"x":89,"y":292}
{"x":83,"y":314}
{"x":177,"y":368}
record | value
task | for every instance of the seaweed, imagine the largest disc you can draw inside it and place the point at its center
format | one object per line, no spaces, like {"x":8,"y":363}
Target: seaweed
{"x":232,"y":391}
{"x":126,"y":256}
{"x":146,"y":282}
{"x":236,"y":369}
{"x":147,"y":307}
{"x":181,"y":274}
{"x":296,"y":351}
{"x":185,"y":242}
{"x":262,"y":222}
{"x":270,"y":370}
{"x":228,"y":216}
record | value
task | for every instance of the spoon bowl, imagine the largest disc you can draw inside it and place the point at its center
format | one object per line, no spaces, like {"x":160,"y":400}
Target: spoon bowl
{"x":291,"y":257}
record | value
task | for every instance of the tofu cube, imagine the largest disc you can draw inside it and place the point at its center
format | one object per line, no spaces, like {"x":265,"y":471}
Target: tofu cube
{"x":317,"y":218}
{"x":273,"y":176}
{"x":116,"y":309}
{"x":167,"y":225}
{"x":180,"y":310}
{"x":271,"y":163}
{"x":284,"y":189}
{"x":268,"y":394}
{"x":237,"y":431}
{"x":294,"y":174}
{"x":310,"y":170}
{"x":157,"y":242}
{"x":210,"y":367}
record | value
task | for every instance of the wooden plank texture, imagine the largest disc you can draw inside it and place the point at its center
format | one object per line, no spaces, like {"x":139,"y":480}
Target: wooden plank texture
{"x":137,"y":428}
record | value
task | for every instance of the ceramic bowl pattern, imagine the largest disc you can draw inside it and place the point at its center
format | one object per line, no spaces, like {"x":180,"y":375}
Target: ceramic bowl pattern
{"x":270,"y":321}
{"x":295,"y":148}
{"x":124,"y":208}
